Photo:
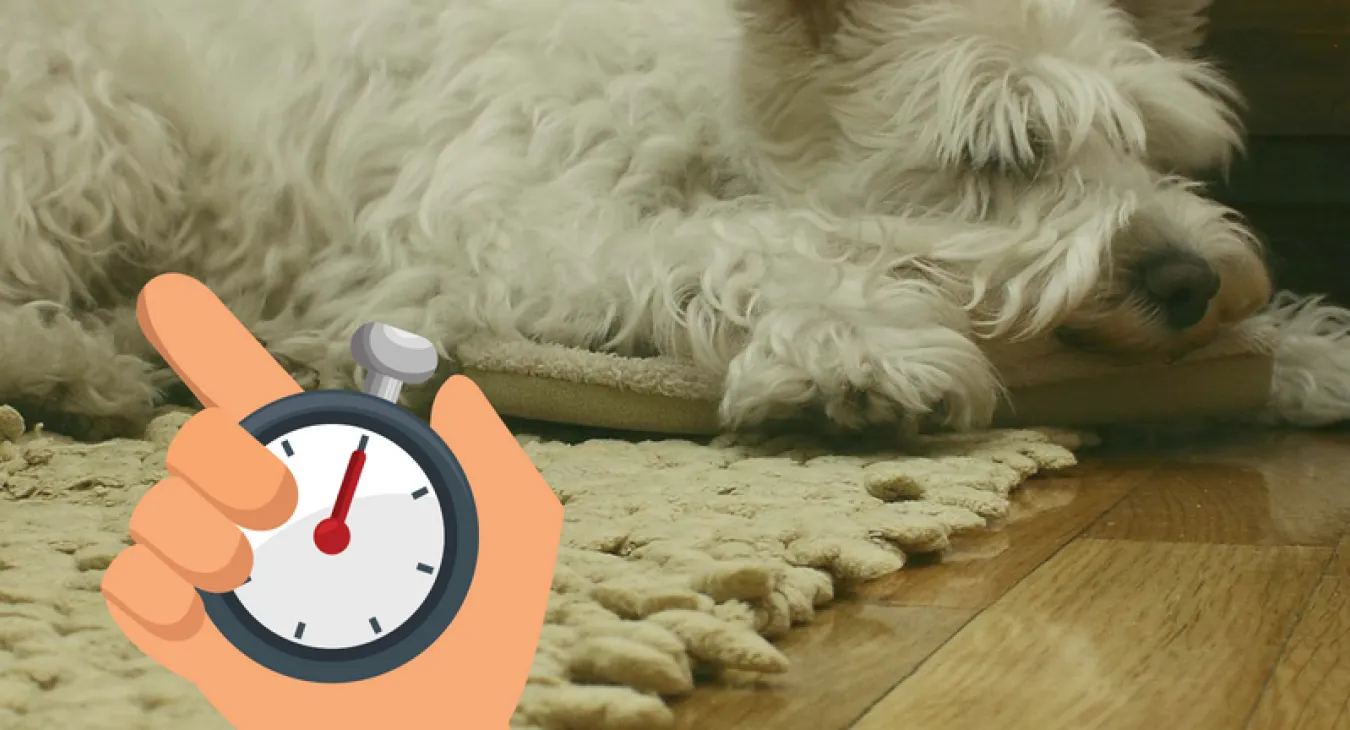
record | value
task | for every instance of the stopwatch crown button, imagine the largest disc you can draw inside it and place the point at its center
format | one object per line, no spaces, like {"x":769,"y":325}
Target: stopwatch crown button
{"x":392,"y":357}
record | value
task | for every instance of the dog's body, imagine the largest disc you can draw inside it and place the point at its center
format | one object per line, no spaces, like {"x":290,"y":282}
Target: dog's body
{"x":827,"y":202}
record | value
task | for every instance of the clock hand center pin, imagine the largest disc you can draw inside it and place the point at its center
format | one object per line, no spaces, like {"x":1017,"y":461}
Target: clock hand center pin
{"x":391,"y":357}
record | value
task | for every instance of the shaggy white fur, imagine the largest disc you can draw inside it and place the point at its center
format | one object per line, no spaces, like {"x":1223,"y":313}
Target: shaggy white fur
{"x":827,"y":202}
{"x":1312,"y":361}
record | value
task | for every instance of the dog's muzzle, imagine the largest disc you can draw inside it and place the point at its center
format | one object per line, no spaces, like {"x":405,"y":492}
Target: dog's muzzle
{"x":1181,"y":285}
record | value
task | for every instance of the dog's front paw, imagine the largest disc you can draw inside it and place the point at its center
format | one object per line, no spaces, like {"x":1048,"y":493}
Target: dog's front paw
{"x":114,"y":399}
{"x":854,"y":377}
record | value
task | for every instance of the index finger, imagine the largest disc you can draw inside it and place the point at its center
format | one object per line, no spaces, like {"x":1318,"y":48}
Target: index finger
{"x":211,"y":350}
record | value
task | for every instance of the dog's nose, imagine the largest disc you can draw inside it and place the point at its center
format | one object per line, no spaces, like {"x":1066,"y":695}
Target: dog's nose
{"x":1182,"y":285}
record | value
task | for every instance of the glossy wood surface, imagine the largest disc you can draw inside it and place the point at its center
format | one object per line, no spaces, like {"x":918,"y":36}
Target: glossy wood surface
{"x":1205,"y":587}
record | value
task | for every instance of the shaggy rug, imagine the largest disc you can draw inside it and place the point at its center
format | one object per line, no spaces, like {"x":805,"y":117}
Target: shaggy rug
{"x":680,"y":559}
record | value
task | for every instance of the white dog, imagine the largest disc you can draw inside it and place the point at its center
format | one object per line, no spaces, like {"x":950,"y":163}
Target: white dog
{"x":826,"y":201}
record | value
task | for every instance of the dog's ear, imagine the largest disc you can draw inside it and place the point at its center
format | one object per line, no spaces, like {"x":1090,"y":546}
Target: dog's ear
{"x":1173,"y":27}
{"x":1192,"y":111}
{"x":807,"y":25}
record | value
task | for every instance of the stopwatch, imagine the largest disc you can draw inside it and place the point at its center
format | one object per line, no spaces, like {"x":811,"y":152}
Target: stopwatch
{"x":377,"y":558}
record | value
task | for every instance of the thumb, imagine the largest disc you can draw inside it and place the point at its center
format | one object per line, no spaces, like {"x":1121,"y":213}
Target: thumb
{"x":519,"y":527}
{"x":500,"y":474}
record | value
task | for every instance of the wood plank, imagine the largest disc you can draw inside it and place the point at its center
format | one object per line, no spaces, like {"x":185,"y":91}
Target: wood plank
{"x":1193,"y":503}
{"x":1268,"y":489}
{"x":1310,"y":689}
{"x":1340,"y":565}
{"x":980,"y":567}
{"x":841,"y":665}
{"x":1116,"y":634}
{"x":1220,"y":504}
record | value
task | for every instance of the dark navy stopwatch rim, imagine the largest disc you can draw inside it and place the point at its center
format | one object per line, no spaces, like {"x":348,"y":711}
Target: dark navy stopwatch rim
{"x":452,"y":579}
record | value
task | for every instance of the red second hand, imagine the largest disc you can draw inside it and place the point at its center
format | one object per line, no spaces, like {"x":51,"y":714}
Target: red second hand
{"x":331,"y":534}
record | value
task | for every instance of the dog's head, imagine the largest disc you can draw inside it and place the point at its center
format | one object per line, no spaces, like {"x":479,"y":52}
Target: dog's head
{"x":1053,"y":128}
{"x":1179,"y":269}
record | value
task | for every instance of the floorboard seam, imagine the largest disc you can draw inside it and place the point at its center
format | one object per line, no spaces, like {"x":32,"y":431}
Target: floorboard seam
{"x":1288,"y":638}
{"x":977,"y":611}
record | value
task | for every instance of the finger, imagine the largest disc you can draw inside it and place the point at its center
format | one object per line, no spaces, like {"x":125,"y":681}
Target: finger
{"x":176,"y":523}
{"x":214,"y":354}
{"x":238,"y":475}
{"x":150,"y":591}
{"x":197,"y":654}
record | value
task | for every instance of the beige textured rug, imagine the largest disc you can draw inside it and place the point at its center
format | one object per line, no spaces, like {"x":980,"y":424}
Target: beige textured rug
{"x":677,"y":556}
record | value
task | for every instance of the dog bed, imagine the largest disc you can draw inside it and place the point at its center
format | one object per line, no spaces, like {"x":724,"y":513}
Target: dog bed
{"x":1049,"y":385}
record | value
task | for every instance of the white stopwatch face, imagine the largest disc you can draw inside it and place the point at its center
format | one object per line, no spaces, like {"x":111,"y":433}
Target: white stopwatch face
{"x":386,"y":571}
{"x":378,"y":557}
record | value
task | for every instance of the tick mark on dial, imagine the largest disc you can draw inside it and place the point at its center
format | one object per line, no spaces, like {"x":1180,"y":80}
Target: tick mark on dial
{"x":420,"y":493}
{"x":425,"y":568}
{"x":286,"y":446}
{"x":375,"y":625}
{"x":365,"y":439}
{"x":299,"y":629}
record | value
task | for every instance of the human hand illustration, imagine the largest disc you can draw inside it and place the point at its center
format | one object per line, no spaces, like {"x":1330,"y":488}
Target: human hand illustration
{"x":187,"y":537}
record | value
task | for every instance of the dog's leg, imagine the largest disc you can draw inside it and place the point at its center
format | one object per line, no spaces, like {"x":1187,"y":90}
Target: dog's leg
{"x":779,"y":304}
{"x":804,"y":318}
{"x":90,"y":185}
{"x":74,"y":376}
{"x":860,"y":363}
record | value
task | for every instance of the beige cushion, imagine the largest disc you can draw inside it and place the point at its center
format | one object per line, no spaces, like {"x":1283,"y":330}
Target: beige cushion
{"x":1049,"y":385}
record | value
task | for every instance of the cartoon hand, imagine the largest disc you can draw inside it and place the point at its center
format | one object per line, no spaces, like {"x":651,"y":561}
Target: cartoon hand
{"x":187,"y":536}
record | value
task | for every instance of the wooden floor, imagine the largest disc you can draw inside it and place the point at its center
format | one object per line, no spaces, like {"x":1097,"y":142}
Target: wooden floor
{"x":1207,"y":589}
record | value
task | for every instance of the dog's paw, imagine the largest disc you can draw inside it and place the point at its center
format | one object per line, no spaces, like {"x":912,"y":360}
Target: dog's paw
{"x":83,"y":426}
{"x":853,"y":377}
{"x":116,"y":400}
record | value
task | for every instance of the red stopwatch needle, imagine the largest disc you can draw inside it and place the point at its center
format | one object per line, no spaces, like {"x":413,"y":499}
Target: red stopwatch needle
{"x":331,"y":534}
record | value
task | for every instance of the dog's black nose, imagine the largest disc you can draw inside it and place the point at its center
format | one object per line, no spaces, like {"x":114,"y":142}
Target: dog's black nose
{"x":1182,"y":284}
